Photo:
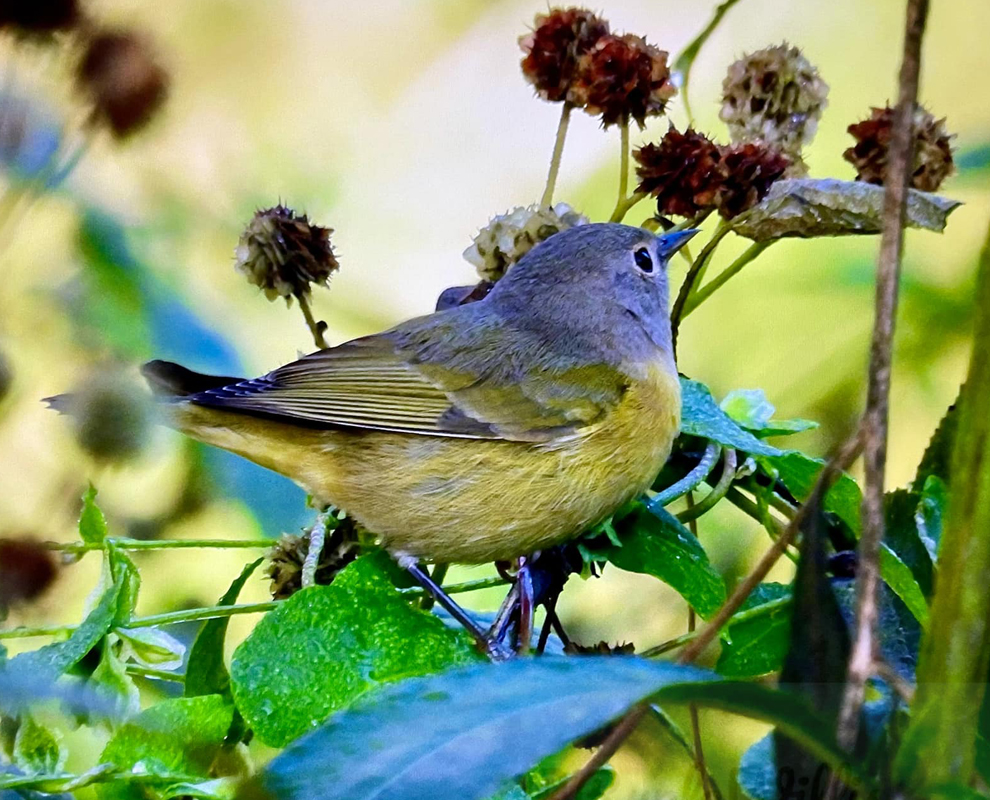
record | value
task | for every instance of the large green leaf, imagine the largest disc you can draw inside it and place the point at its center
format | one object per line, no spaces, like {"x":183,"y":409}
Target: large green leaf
{"x":326,"y":645}
{"x":898,"y":576}
{"x":756,"y":643}
{"x":180,"y":736}
{"x":701,"y":416}
{"x":799,"y":472}
{"x":462,"y":734}
{"x":655,"y":543}
{"x":206,"y":672}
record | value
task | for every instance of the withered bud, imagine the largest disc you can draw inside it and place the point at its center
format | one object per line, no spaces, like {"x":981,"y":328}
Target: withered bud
{"x":682,"y":172}
{"x":119,"y":75}
{"x":112,"y":417}
{"x":27,"y":569}
{"x":775,"y":96}
{"x":284,"y":254}
{"x":508,"y":237}
{"x":285,"y":559}
{"x":748,"y":170}
{"x":552,"y":49}
{"x":39,"y":16}
{"x":932,"y":148}
{"x":623,"y":78}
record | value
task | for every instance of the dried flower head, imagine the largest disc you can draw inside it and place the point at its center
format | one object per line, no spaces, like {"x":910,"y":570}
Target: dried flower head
{"x":27,"y":569}
{"x":552,"y":49}
{"x":284,"y":254}
{"x":508,"y":237}
{"x":39,"y":16}
{"x":285,"y":559}
{"x":623,"y":77}
{"x":112,"y":417}
{"x":932,"y":148}
{"x":774,"y":96}
{"x":123,"y":81}
{"x":748,"y":170}
{"x":682,"y":172}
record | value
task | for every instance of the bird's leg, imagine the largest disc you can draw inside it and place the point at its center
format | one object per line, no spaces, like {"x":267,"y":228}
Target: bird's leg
{"x":505,"y":617}
{"x":492,"y":648}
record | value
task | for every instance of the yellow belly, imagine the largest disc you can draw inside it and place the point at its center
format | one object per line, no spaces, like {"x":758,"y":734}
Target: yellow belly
{"x":472,"y":501}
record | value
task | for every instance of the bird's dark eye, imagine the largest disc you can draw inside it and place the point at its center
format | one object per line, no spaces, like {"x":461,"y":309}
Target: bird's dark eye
{"x":643,"y":259}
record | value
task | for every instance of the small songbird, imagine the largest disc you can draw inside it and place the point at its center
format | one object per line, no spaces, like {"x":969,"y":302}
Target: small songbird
{"x":482,"y":432}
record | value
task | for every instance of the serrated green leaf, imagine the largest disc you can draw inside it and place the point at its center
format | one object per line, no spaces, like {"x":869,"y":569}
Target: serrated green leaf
{"x":655,"y":543}
{"x":799,"y":472}
{"x":92,"y":523}
{"x":937,"y":459}
{"x":701,"y":416}
{"x":178,"y":736}
{"x":151,"y":647}
{"x":206,"y":672}
{"x":898,"y":576}
{"x":37,"y":750}
{"x":828,"y":207}
{"x":326,"y":645}
{"x":756,"y":645}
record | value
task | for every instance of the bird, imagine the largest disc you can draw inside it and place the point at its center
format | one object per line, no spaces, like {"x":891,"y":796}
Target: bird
{"x":482,"y":432}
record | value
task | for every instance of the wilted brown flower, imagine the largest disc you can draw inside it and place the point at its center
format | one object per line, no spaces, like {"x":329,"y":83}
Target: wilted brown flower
{"x":748,"y":170}
{"x":285,"y":559}
{"x":553,"y":47}
{"x":112,"y":417}
{"x":284,"y":254}
{"x":39,"y":16}
{"x":508,"y":237}
{"x":932,"y":149}
{"x":774,"y":96}
{"x":27,"y":569}
{"x":120,"y":76}
{"x":682,"y":172}
{"x":623,"y":77}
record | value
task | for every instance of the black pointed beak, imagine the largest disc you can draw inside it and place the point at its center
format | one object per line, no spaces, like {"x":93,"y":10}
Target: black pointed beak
{"x":671,"y":242}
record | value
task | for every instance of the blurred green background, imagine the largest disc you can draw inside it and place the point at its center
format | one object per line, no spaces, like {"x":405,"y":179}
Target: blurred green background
{"x":405,"y":126}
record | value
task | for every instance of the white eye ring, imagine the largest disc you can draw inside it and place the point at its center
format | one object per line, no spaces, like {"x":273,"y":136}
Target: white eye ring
{"x":643,"y":259}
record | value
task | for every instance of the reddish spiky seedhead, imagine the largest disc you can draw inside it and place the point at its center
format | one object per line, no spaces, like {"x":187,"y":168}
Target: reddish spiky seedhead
{"x":623,"y":77}
{"x":748,"y":170}
{"x":553,"y":48}
{"x":932,"y":149}
{"x":682,"y":172}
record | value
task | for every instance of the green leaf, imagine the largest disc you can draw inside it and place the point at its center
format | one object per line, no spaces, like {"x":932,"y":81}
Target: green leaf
{"x":37,"y":750}
{"x":216,"y":789}
{"x":902,"y":536}
{"x":930,"y":513}
{"x":655,"y":543}
{"x":597,"y":785}
{"x":178,"y":736}
{"x":756,"y":643}
{"x":123,"y":571}
{"x":110,"y":678}
{"x":92,"y":523}
{"x":206,"y":672}
{"x":326,"y":645}
{"x":701,"y":416}
{"x":830,"y":207}
{"x":466,"y":732}
{"x":799,"y":472}
{"x":937,"y":459}
{"x":151,"y":647}
{"x":749,"y":407}
{"x":898,"y":576}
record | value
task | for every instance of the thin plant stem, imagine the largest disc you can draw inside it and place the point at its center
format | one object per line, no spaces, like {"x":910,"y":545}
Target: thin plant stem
{"x":621,"y":203}
{"x":317,"y":537}
{"x":695,"y":510}
{"x":716,"y":283}
{"x":699,"y":752}
{"x":155,"y":674}
{"x":703,"y":469}
{"x":623,"y":207}
{"x":558,"y":151}
{"x":694,"y":274}
{"x":157,"y":544}
{"x":863,"y":653}
{"x":315,"y":328}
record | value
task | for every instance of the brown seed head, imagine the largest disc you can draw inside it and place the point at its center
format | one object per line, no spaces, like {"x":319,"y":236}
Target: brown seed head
{"x":682,"y":172}
{"x":285,"y":559}
{"x":623,"y":77}
{"x":932,"y":149}
{"x":748,"y":170}
{"x":775,"y":96}
{"x":284,"y":254}
{"x":39,"y":16}
{"x":552,"y":49}
{"x":26,"y":570}
{"x":119,"y":75}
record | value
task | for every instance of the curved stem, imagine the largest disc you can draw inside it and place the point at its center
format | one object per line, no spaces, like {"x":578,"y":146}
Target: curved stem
{"x":694,"y":275}
{"x":558,"y":150}
{"x":716,"y":283}
{"x":703,"y":469}
{"x":717,"y":493}
{"x":317,"y":536}
{"x":622,"y":204}
{"x":623,"y":207}
{"x":315,"y":328}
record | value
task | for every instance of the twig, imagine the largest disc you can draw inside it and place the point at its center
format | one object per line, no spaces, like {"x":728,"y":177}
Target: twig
{"x":861,"y":658}
{"x":699,"y":753}
{"x":315,"y":328}
{"x":317,"y":536}
{"x":612,"y":742}
{"x":558,"y":151}
{"x":694,"y":274}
